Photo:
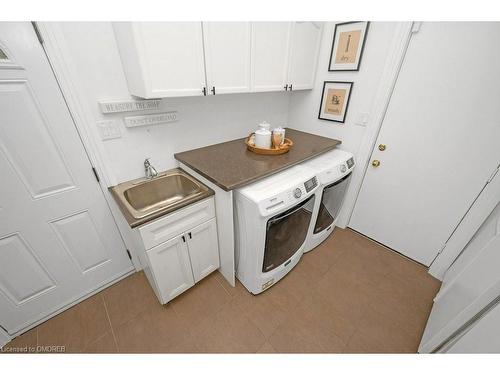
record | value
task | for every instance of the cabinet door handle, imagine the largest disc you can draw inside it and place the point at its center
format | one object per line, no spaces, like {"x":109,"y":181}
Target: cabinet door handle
{"x":190,"y":236}
{"x":204,"y":91}
{"x":291,"y":87}
{"x":183,"y":238}
{"x":286,"y":87}
{"x":213,"y":90}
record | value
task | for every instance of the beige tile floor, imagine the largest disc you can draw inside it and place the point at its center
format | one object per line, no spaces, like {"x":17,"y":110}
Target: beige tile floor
{"x":349,"y":295}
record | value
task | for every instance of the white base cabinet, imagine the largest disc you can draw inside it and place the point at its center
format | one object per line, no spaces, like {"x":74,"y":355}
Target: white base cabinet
{"x":190,"y":253}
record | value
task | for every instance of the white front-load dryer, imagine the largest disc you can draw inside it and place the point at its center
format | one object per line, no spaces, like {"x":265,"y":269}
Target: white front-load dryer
{"x":272,"y":219}
{"x":333,"y":170}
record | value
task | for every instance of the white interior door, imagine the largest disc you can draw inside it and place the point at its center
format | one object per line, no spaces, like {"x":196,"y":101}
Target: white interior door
{"x":470,"y":284}
{"x":304,"y":49}
{"x":441,"y":134}
{"x":227,"y":56}
{"x":58,"y":241}
{"x":270,"y":50}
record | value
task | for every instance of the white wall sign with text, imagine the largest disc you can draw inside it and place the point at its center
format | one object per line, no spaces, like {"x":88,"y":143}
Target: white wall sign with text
{"x":128,"y":105}
{"x":155,"y":119}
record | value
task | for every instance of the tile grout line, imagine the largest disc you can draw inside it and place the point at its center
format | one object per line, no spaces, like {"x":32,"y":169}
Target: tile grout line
{"x":110,"y":324}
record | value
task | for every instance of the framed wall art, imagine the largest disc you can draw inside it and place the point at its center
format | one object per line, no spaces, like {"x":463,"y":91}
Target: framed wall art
{"x":335,"y":100}
{"x":347,"y":46}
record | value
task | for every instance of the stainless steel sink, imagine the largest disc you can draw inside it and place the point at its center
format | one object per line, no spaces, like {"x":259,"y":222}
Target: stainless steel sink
{"x":142,"y":200}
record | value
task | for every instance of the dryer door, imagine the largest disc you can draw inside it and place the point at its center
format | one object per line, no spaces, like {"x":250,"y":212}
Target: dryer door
{"x":331,"y":202}
{"x":285,"y":234}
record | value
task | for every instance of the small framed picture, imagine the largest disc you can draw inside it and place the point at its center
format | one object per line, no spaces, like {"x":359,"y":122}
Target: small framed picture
{"x":335,"y":100}
{"x":347,"y":46}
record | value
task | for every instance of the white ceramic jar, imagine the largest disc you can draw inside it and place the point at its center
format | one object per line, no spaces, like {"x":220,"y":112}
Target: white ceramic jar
{"x":263,"y":136}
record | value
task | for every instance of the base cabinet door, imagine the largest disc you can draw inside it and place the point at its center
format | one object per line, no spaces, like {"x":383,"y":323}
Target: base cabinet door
{"x":171,"y":267}
{"x":203,"y":249}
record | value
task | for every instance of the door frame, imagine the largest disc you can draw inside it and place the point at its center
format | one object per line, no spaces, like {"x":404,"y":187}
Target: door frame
{"x":56,"y":49}
{"x":481,"y":208}
{"x":400,"y":43}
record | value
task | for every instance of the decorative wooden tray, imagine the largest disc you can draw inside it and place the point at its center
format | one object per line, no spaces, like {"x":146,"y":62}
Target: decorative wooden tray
{"x":282,"y":149}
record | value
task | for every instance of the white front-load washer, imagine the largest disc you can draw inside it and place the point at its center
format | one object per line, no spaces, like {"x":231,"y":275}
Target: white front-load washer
{"x":272,"y":219}
{"x":333,"y":170}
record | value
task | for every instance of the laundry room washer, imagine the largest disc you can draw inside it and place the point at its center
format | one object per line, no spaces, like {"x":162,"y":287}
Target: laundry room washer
{"x":333,"y":170}
{"x":272,"y":219}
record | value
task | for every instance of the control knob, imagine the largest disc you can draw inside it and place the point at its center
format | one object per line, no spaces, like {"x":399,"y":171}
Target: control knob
{"x":343,"y":168}
{"x":297,"y":193}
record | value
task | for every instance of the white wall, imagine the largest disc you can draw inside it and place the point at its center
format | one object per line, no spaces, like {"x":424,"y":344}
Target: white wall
{"x":98,"y":75}
{"x":304,"y":106}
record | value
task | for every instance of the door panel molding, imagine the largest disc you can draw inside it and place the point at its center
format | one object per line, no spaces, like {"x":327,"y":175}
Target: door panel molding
{"x":13,"y":285}
{"x":30,"y":167}
{"x":90,"y":254}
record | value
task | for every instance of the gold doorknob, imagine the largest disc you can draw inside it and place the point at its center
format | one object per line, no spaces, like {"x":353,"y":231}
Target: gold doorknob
{"x":381,"y":147}
{"x":376,"y":163}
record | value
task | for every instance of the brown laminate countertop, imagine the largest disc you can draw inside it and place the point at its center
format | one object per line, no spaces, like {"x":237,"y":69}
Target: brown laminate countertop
{"x":230,"y":165}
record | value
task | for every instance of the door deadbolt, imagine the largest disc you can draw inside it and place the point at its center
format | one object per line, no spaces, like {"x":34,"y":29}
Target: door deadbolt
{"x":376,"y":163}
{"x":381,"y":147}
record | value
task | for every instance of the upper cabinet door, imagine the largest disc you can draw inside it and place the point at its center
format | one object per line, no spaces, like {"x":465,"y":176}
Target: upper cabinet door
{"x":304,"y":49}
{"x":227,"y":56}
{"x":270,"y":47}
{"x":162,"y":59}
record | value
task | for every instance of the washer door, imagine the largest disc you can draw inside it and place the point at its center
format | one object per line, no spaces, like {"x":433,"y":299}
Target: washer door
{"x":285,"y":234}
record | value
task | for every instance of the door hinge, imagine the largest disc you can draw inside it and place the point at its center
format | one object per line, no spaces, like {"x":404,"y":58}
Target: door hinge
{"x":493,"y":174}
{"x":128,"y":253}
{"x":95,"y":174}
{"x":37,"y":32}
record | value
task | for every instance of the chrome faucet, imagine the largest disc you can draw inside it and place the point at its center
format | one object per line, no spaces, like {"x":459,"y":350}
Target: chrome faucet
{"x":150,"y":170}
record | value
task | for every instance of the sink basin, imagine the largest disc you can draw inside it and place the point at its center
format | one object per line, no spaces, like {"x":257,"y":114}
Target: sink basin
{"x":142,"y":200}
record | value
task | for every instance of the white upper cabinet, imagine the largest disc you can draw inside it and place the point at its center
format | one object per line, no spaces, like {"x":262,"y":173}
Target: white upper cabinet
{"x":270,"y":50}
{"x":227,"y":56}
{"x":165,"y":59}
{"x":162,"y":59}
{"x":304,"y":49}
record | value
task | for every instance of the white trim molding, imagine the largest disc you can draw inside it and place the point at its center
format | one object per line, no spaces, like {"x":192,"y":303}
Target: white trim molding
{"x":388,"y":80}
{"x":58,"y":54}
{"x":472,"y":221}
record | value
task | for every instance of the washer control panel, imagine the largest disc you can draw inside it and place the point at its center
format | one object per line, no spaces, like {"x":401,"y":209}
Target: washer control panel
{"x":311,"y":184}
{"x":297,"y":193}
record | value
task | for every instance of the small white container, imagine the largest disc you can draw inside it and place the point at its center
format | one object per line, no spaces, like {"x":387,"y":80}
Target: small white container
{"x":263,"y":138}
{"x":264,"y":125}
